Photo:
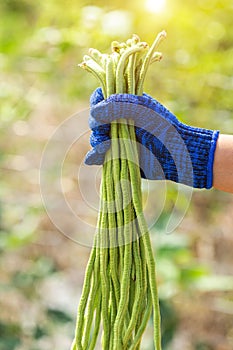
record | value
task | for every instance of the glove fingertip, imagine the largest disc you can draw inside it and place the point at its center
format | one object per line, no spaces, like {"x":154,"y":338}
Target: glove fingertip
{"x":94,"y":158}
{"x":96,"y":97}
{"x":103,"y":146}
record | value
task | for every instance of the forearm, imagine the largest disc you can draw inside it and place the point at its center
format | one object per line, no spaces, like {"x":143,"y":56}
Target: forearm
{"x":223,"y":164}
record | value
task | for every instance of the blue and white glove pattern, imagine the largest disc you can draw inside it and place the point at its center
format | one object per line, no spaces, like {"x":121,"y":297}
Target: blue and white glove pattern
{"x":168,"y":149}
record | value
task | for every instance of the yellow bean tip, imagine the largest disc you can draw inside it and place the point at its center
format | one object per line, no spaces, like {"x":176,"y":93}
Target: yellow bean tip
{"x":143,"y":44}
{"x":136,"y":38}
{"x":82,"y":65}
{"x":163,"y":34}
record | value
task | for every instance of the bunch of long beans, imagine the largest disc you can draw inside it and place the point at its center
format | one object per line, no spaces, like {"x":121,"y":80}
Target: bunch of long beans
{"x":120,"y":288}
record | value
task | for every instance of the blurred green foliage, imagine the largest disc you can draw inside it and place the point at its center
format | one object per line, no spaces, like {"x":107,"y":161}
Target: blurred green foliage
{"x":41,"y":43}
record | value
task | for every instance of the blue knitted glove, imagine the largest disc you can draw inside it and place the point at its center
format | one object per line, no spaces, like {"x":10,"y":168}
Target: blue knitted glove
{"x":167,"y":148}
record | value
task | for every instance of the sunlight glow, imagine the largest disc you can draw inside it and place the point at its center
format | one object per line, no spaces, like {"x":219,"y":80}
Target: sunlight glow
{"x":156,"y":6}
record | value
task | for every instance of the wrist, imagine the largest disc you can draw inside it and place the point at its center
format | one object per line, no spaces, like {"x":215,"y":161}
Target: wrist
{"x":223,"y":164}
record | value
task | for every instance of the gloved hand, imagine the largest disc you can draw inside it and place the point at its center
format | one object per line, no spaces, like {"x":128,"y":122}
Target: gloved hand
{"x":168,"y":149}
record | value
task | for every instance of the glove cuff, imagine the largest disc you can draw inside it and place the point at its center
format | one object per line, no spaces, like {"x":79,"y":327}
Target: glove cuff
{"x":210,"y":165}
{"x":201,"y":146}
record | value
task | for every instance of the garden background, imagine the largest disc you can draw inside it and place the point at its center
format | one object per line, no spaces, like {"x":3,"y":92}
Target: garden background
{"x":41,"y":269}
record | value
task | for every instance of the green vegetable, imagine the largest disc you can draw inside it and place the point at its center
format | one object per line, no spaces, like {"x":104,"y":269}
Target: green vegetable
{"x":120,"y":288}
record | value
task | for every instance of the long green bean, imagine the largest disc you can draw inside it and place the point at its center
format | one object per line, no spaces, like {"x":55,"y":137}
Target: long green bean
{"x":120,"y":288}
